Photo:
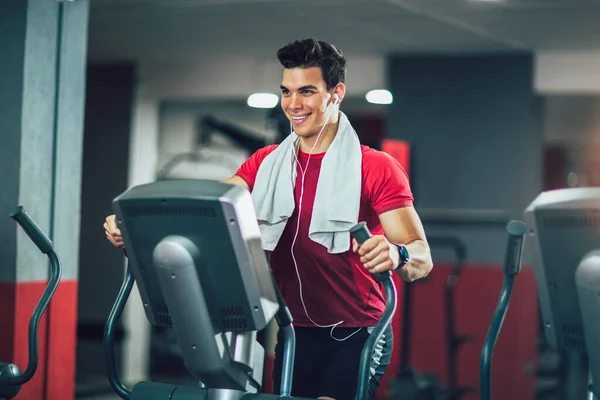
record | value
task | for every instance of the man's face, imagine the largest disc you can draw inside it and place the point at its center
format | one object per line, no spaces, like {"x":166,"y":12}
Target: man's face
{"x":305,"y":100}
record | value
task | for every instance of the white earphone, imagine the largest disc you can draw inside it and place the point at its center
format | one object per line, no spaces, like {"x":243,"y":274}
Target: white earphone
{"x":336,"y":98}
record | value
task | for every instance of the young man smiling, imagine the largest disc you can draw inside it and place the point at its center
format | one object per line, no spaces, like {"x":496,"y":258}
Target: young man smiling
{"x":308,"y":191}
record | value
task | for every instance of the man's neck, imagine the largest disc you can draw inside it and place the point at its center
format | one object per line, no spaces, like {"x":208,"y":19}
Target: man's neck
{"x":327,"y":136}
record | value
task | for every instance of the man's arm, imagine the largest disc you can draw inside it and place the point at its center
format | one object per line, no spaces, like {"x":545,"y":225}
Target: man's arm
{"x":236,"y":180}
{"x":401,"y":226}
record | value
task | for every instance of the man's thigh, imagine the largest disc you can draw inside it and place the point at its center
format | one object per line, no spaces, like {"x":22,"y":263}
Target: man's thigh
{"x":340,"y":376}
{"x":307,"y":360}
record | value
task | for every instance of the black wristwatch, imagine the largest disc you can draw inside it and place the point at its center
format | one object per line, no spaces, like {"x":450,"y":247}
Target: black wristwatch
{"x":403,"y":252}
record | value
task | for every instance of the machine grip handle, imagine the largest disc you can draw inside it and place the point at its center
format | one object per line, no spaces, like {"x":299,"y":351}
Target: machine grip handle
{"x":514,"y":252}
{"x":32,"y":230}
{"x":361,"y":234}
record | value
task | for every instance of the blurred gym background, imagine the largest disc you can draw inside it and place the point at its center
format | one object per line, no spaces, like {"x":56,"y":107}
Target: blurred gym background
{"x":486,"y":103}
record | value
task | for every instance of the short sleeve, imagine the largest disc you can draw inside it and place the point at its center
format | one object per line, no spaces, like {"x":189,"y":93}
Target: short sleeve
{"x":386,"y":182}
{"x":249,"y":169}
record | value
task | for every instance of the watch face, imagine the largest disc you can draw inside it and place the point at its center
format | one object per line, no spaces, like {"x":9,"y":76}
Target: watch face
{"x":403,"y":254}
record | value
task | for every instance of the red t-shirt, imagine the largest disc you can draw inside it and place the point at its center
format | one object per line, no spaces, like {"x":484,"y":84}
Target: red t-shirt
{"x":335,"y":287}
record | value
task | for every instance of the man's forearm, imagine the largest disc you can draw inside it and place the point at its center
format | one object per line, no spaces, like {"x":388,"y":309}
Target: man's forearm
{"x":419,"y":264}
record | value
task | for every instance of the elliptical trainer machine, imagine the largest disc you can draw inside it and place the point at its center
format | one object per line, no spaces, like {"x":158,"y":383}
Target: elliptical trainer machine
{"x":195,"y":251}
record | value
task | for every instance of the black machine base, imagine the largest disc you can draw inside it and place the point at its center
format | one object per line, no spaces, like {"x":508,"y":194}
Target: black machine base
{"x":160,"y":391}
{"x":7,"y":372}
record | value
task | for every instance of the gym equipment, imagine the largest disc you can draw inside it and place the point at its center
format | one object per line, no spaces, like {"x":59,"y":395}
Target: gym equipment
{"x":410,"y":384}
{"x":564,"y":231}
{"x":512,"y":267}
{"x":242,"y":137}
{"x":454,"y":341}
{"x":11,"y":378}
{"x":196,"y":243}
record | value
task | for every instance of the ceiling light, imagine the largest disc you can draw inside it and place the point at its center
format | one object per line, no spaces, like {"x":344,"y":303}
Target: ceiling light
{"x":263,"y":100}
{"x":379,"y":96}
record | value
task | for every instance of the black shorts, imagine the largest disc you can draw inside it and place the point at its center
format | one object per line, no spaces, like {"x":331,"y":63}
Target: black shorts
{"x":327,"y":367}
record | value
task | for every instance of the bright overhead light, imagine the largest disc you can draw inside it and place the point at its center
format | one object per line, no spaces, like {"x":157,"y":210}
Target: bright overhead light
{"x":379,"y":96}
{"x":263,"y":100}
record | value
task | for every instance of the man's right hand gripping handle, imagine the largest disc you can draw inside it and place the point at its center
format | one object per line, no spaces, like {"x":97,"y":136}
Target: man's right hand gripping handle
{"x":113,"y":234}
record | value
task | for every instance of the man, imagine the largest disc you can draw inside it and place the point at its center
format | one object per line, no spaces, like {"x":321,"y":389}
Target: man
{"x":307,"y":192}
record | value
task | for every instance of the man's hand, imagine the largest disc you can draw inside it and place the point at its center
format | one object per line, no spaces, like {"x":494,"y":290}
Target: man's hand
{"x":113,"y":234}
{"x":377,"y":254}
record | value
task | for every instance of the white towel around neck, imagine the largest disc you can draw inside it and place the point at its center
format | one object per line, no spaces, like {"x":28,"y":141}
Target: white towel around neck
{"x":337,"y":200}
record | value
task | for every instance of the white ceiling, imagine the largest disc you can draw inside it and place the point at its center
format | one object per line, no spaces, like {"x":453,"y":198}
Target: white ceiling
{"x":193,"y":30}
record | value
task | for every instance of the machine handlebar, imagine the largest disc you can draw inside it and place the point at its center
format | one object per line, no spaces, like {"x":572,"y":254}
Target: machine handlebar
{"x":512,"y":267}
{"x":361,"y":234}
{"x":514,"y":251}
{"x":32,"y":230}
{"x":11,"y":378}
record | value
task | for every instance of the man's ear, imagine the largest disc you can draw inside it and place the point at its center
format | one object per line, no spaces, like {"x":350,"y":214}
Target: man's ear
{"x":339,"y":92}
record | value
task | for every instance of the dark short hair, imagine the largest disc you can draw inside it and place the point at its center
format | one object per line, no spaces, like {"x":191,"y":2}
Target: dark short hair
{"x":307,"y":53}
